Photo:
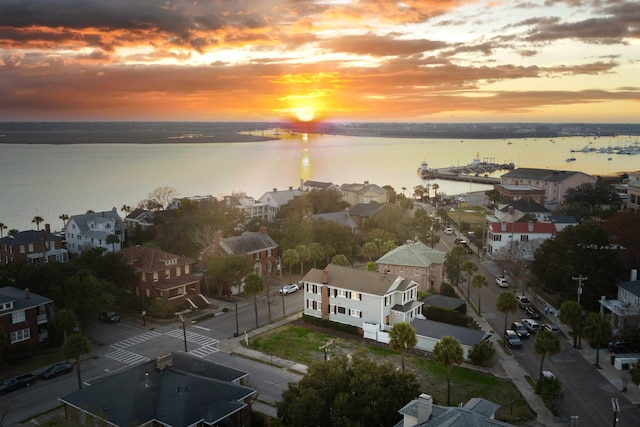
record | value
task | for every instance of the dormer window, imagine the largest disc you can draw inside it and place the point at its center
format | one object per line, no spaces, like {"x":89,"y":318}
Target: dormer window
{"x":6,"y":305}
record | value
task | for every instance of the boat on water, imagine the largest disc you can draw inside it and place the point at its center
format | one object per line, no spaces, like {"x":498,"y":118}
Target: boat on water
{"x":571,"y":159}
{"x":423,"y":171}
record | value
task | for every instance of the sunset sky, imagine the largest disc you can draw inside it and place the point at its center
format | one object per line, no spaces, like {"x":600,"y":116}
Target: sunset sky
{"x":366,"y":60}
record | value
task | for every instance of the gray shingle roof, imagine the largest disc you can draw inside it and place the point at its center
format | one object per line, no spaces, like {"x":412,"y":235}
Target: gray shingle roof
{"x":247,"y":243}
{"x":437,"y":330}
{"x":341,"y":217}
{"x":539,"y":174}
{"x":186,"y":393}
{"x":359,"y":280}
{"x":526,"y":206}
{"x":82,"y":220}
{"x":20,"y":302}
{"x":26,"y":237}
{"x":444,"y":302}
{"x":631,"y":286}
{"x":366,"y":210}
{"x":415,"y":254}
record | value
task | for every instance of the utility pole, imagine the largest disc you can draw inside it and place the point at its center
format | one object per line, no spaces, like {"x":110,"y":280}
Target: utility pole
{"x":579,"y":279}
{"x":616,"y":410}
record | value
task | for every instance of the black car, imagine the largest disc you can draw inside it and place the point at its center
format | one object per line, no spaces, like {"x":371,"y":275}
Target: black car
{"x":512,"y":339}
{"x":619,"y":346}
{"x":57,"y":369}
{"x":533,"y":312}
{"x":519,"y":329}
{"x":10,"y":384}
{"x":109,"y":316}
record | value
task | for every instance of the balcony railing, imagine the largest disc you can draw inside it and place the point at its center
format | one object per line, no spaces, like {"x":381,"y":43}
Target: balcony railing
{"x":42,"y":318}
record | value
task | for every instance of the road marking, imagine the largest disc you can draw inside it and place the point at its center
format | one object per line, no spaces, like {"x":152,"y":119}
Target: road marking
{"x":126,"y":357}
{"x":204,"y":351}
{"x":201,"y":327}
{"x":136,"y":340}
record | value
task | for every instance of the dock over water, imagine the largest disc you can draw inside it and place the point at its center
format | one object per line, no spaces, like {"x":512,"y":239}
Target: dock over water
{"x":453,"y":174}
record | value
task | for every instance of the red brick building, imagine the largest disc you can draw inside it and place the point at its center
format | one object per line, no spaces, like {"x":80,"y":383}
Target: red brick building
{"x":24,"y":316}
{"x":163,"y":275}
{"x":32,"y":246}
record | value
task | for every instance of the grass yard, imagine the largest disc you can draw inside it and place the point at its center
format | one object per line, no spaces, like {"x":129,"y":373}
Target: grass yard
{"x":302,"y":345}
{"x":472,"y":215}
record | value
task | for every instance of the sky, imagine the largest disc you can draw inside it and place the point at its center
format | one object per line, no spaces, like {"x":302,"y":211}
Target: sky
{"x":334,"y":60}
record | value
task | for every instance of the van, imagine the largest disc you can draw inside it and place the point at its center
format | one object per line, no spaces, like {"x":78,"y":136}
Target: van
{"x":531,"y":325}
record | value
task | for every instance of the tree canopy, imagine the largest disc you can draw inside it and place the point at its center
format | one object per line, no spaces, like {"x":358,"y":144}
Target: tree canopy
{"x":343,"y":392}
{"x":402,"y":338}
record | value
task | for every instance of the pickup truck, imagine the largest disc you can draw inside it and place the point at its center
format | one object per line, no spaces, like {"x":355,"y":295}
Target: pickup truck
{"x":20,"y":381}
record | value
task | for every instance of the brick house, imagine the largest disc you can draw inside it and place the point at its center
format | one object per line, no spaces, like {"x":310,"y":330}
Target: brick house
{"x":164,"y":275}
{"x":416,"y":261}
{"x":24,"y":316}
{"x":32,"y":246}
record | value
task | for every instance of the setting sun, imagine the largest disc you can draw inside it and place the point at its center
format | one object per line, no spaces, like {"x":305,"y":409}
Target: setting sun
{"x":305,"y":114}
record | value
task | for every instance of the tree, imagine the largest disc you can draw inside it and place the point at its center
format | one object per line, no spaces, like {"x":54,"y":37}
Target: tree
{"x":340,"y":260}
{"x":546,"y":342}
{"x":635,"y":373}
{"x":453,"y":264}
{"x":597,"y":330}
{"x":159,"y":198}
{"x":226,"y":271}
{"x":481,"y":353}
{"x":448,"y":351}
{"x":341,"y":392}
{"x":571,"y":314}
{"x":2,"y":228}
{"x":290,"y":257}
{"x":75,"y":347}
{"x":65,"y":321}
{"x":479,"y":281}
{"x":37,"y":220}
{"x":402,"y":338}
{"x":253,"y":285}
{"x":435,"y":188}
{"x":64,"y":217}
{"x":370,"y":250}
{"x":506,"y":303}
{"x":469,"y":268}
{"x":112,"y":239}
{"x":317,"y":252}
{"x":305,"y":255}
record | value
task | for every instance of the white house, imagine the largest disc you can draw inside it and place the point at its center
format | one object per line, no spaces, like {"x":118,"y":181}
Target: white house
{"x":91,"y":230}
{"x":368,"y":300}
{"x":275,"y":199}
{"x":517,"y":240}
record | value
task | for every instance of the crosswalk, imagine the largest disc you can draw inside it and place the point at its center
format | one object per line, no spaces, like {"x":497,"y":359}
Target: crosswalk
{"x":205,"y":346}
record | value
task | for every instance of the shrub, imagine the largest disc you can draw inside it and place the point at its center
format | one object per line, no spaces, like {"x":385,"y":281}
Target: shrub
{"x":482,"y":353}
{"x":447,"y":290}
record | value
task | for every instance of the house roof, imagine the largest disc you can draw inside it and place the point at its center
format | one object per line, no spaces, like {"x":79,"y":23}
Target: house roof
{"x":631,"y":286}
{"x":437,"y":330}
{"x":362,"y":188}
{"x":526,"y":206}
{"x":359,"y":280}
{"x":523,"y":227}
{"x":247,"y":243}
{"x":281,"y":197}
{"x":366,"y":210}
{"x":139,"y":214}
{"x":563,"y":219}
{"x":144,"y":258}
{"x":341,"y":217}
{"x":548,"y":175}
{"x":20,"y":300}
{"x":82,"y":220}
{"x":26,"y":237}
{"x":415,"y":254}
{"x":477,"y":412}
{"x":317,"y":185}
{"x":190,"y":391}
{"x":444,"y":302}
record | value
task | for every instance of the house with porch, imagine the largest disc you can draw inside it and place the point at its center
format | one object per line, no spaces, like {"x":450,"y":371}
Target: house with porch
{"x":416,"y":261}
{"x":164,"y":275}
{"x":175,"y":389}
{"x":367,"y":300}
{"x":139,"y":219}
{"x":92,"y":230}
{"x":625,"y":309}
{"x":24,"y":316}
{"x":275,"y":199}
{"x":32,"y":246}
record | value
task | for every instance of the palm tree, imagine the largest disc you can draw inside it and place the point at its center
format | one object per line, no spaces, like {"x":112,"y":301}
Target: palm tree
{"x":37,"y":220}
{"x":546,"y":343}
{"x":290,"y":257}
{"x":317,"y":252}
{"x":75,"y":347}
{"x":305,"y":255}
{"x":479,"y":281}
{"x":126,"y":209}
{"x":2,"y":228}
{"x":506,"y":303}
{"x":571,"y":314}
{"x":469,"y":267}
{"x":340,"y":260}
{"x":402,"y":338}
{"x":370,"y":250}
{"x":597,"y":329}
{"x":64,"y":217}
{"x":112,"y":239}
{"x":65,"y":321}
{"x":435,"y":188}
{"x":254,"y":285}
{"x":447,"y":352}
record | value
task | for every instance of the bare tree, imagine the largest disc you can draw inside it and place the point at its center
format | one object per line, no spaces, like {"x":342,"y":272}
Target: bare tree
{"x":160,"y":198}
{"x":204,"y":236}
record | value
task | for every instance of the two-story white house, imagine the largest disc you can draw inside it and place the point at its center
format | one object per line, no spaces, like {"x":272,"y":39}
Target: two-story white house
{"x":92,"y":230}
{"x":625,"y":309}
{"x":633,"y":192}
{"x":516,"y":240}
{"x":274,"y":200}
{"x":358,"y":298}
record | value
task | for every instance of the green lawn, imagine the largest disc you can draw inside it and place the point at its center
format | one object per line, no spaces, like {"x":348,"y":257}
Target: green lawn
{"x":300,"y":344}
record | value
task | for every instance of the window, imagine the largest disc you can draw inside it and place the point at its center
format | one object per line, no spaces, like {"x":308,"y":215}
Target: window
{"x":497,"y":237}
{"x":186,"y":269}
{"x":342,"y":310}
{"x":416,"y":271}
{"x":178,"y":271}
{"x":387,"y":300}
{"x":21,"y":249}
{"x":355,"y":313}
{"x":356,"y":296}
{"x":269,"y":252}
{"x":155,"y":276}
{"x":21,"y":335}
{"x":167,"y":274}
{"x":256,"y":256}
{"x":524,"y":238}
{"x":18,"y":316}
{"x":341,"y":293}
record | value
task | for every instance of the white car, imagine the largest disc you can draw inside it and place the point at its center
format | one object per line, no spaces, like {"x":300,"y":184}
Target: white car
{"x":448,"y":230}
{"x":502,"y":282}
{"x":288,"y":289}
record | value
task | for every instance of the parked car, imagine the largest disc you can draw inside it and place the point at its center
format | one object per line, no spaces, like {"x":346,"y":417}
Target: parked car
{"x":467,"y":247}
{"x":502,"y":282}
{"x":512,"y":339}
{"x":619,"y":346}
{"x":523,"y":301}
{"x":448,"y":230}
{"x":519,"y":329}
{"x":551,"y":328}
{"x":109,"y":316}
{"x":56,"y":370}
{"x":531,"y":325}
{"x":14,"y":383}
{"x":533,"y":312}
{"x":288,"y":289}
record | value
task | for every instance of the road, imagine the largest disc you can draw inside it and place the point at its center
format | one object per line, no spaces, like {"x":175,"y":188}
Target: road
{"x":587,"y":394}
{"x":115,"y":346}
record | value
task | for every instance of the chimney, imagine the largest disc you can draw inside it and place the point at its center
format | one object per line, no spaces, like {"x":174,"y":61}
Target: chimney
{"x":634,"y":275}
{"x":47,"y":228}
{"x":275,"y":189}
{"x":164,"y":361}
{"x":425,"y":408}
{"x":325,"y":276}
{"x":366,"y":183}
{"x":510,"y":210}
{"x":290,"y":188}
{"x":27,"y":293}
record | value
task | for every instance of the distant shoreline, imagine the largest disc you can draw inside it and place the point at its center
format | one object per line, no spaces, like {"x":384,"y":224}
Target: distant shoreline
{"x":72,"y":139}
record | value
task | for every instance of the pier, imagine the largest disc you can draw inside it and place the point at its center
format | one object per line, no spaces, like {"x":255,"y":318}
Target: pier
{"x":453,"y":174}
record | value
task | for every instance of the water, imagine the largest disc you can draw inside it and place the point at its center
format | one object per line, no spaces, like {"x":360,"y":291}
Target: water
{"x":49,"y":180}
